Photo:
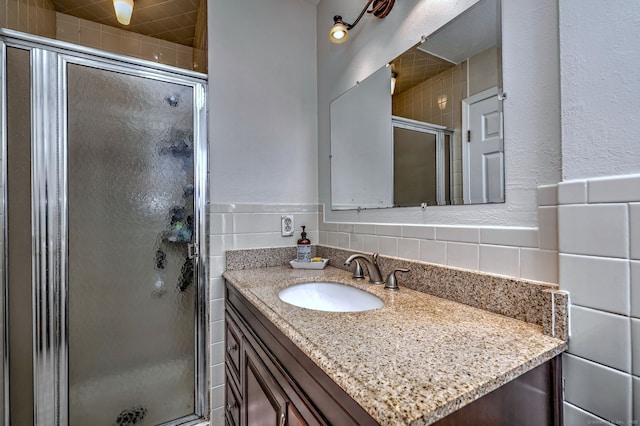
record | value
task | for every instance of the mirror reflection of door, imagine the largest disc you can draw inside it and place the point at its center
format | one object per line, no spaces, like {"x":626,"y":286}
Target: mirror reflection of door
{"x":483,"y":151}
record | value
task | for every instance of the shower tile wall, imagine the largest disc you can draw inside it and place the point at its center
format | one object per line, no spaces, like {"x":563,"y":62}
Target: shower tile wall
{"x":91,"y":34}
{"x":40,"y":18}
{"x":29,"y":16}
{"x":244,"y":226}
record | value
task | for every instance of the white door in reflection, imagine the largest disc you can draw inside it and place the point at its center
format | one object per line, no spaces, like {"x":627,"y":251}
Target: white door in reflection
{"x":483,"y":148}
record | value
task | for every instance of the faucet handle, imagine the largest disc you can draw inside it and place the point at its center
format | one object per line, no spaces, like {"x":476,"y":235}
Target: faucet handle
{"x":392,"y":281}
{"x":358,"y":273}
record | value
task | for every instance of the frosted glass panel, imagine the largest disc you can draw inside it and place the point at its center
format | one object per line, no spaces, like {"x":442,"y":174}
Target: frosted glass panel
{"x":131,"y":285}
{"x":20,"y":326}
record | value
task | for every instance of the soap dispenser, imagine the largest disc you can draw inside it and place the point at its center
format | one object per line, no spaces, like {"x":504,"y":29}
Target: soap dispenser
{"x":304,"y":247}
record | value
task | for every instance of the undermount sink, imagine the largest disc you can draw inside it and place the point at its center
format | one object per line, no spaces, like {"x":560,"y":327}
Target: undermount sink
{"x":330,"y":297}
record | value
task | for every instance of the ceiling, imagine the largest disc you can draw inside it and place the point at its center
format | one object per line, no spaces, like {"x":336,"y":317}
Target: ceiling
{"x":415,"y":66}
{"x":171,"y":20}
{"x":466,"y":35}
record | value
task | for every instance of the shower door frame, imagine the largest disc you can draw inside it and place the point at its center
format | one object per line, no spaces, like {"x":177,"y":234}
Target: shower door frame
{"x":49,"y":59}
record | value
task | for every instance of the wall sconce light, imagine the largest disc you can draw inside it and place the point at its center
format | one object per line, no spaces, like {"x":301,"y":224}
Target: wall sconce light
{"x":442,"y":102}
{"x":394,"y":77}
{"x":340,"y":30}
{"x":124,"y":9}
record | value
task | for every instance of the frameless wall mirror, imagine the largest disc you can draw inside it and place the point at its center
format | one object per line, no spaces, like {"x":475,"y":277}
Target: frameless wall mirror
{"x":426,"y":128}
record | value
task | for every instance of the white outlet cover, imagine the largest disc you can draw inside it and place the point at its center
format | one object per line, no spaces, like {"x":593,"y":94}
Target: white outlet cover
{"x":286,"y":225}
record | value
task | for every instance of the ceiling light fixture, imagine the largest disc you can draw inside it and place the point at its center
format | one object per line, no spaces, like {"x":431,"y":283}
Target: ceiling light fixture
{"x":124,"y":9}
{"x":340,"y":30}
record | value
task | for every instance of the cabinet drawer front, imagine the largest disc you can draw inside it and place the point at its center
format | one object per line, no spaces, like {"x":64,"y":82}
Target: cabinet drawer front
{"x":232,"y":407}
{"x":233,"y":341}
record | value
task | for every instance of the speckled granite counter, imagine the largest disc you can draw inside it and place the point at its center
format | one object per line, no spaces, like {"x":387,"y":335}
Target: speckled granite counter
{"x":413,"y":361}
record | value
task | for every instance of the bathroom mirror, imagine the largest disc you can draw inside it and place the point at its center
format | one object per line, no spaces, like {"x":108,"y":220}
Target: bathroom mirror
{"x":426,"y":128}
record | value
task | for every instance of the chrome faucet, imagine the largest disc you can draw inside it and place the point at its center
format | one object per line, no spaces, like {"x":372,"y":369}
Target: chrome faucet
{"x":375,"y":277}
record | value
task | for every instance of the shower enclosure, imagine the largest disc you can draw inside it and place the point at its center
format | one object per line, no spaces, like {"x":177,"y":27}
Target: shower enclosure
{"x":104,"y":284}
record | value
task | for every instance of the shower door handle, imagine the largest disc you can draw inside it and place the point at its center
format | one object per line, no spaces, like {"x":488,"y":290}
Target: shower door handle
{"x":192,"y":250}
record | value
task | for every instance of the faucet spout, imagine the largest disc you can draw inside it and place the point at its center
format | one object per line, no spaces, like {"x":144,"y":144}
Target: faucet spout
{"x":375,"y":276}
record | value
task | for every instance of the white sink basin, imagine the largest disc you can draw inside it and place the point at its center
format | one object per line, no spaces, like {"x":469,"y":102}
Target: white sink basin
{"x":331,"y":297}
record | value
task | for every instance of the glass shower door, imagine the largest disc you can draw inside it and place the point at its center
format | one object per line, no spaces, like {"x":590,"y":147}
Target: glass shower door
{"x":131,"y":284}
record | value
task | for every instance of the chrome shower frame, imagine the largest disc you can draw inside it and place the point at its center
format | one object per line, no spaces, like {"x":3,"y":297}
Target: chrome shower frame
{"x":49,"y":59}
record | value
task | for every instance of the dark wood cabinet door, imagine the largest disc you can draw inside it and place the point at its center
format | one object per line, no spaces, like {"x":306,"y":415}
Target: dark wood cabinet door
{"x":294,"y":418}
{"x":264,"y":402}
{"x":232,"y":406}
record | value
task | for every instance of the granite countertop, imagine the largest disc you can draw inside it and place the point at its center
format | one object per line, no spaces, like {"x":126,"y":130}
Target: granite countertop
{"x":413,"y":361}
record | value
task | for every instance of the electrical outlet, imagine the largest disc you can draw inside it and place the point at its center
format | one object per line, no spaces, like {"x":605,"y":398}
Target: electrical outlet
{"x":286,"y":225}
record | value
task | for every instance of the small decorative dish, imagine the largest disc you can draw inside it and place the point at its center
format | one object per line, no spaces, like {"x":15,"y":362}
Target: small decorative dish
{"x":309,"y":265}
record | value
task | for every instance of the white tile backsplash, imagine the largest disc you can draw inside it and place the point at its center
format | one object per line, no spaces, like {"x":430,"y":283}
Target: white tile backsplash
{"x":461,"y":255}
{"x":221,"y":223}
{"x":421,"y":232}
{"x":388,"y":246}
{"x":371,"y":243}
{"x":356,"y":242}
{"x":634,"y":231}
{"x":635,"y":340}
{"x":217,"y":375}
{"x":409,"y":248}
{"x":636,"y":399}
{"x":346,"y":227}
{"x":365,"y":229}
{"x":216,"y":353}
{"x":597,"y":230}
{"x":216,"y":288}
{"x":389,"y":230}
{"x":614,"y":189}
{"x":216,"y":331}
{"x":433,"y":251}
{"x":574,"y":416}
{"x":594,"y":333}
{"x":548,"y":228}
{"x":635,"y":289}
{"x":458,"y":234}
{"x":572,"y":192}
{"x":342,"y":240}
{"x":539,"y":265}
{"x":500,"y":260}
{"x":601,"y":390}
{"x":548,"y":195}
{"x":217,"y":396}
{"x":596,"y":282}
{"x":517,"y":237}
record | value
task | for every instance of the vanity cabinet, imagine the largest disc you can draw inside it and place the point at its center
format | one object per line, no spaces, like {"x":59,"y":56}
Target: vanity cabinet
{"x":271,"y":382}
{"x":257,"y":392}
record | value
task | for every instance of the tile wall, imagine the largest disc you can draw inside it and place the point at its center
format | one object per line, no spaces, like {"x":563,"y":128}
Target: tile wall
{"x":599,"y":245}
{"x":528,"y":253}
{"x":91,"y":34}
{"x":243,"y":226}
{"x":29,"y":16}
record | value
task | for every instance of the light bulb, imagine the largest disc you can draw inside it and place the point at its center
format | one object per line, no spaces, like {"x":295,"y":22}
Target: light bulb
{"x":338,"y":33}
{"x":124,"y":9}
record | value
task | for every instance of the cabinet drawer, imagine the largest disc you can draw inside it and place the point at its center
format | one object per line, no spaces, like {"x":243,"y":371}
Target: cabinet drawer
{"x":232,"y":405}
{"x":232,"y":343}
